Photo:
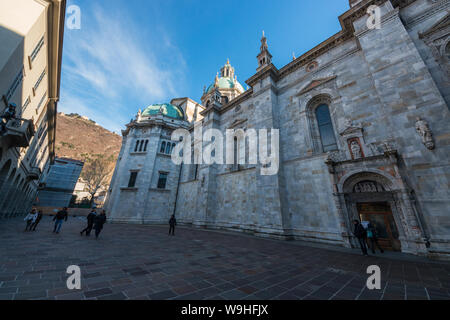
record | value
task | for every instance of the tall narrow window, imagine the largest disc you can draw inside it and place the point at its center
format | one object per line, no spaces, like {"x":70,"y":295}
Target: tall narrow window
{"x":141,"y":146}
{"x":168,"y":148}
{"x":235,"y":154}
{"x":145,"y":146}
{"x":37,"y":49}
{"x":162,"y":181}
{"x":137,"y":146}
{"x":163,"y":147}
{"x":132,"y":181}
{"x":326,"y":128}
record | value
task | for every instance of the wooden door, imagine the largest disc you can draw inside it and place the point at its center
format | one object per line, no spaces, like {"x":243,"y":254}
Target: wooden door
{"x":379,"y":214}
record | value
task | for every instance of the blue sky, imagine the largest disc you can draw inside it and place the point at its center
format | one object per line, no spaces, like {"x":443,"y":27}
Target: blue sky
{"x":129,"y":54}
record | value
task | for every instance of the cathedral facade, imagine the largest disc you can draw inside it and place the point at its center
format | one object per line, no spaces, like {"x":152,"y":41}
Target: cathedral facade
{"x":363,"y":120}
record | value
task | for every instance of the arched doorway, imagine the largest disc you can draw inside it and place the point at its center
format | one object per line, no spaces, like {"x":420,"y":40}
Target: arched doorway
{"x":378,"y":213}
{"x":374,"y":198}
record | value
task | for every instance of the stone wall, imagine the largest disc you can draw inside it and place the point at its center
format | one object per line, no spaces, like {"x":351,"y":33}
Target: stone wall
{"x":376,"y":85}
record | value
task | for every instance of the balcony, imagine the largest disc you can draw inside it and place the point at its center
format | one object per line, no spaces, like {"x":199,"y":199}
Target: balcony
{"x":34,"y":173}
{"x":18,"y":133}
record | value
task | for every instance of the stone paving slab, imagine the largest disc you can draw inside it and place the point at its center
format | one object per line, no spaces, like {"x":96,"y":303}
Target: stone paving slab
{"x":144,"y":263}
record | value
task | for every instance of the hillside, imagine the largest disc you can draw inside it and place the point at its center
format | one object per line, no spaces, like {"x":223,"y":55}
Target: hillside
{"x":77,"y":136}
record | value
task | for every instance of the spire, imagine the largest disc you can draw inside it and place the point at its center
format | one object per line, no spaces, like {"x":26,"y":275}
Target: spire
{"x":264,"y":57}
{"x":264,"y":45}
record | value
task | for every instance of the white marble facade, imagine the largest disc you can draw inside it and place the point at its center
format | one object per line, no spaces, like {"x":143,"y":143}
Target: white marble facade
{"x":357,"y":117}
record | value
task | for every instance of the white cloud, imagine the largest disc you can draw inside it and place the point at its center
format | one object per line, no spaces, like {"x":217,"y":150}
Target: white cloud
{"x":112,"y":67}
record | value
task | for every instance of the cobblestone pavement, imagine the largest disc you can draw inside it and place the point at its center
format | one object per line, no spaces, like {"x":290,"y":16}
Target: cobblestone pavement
{"x":143,"y":262}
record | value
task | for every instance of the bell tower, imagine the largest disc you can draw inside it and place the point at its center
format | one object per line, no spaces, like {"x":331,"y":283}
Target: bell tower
{"x":264,"y":57}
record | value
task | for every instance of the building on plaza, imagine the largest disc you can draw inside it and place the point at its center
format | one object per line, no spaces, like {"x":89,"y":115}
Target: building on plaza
{"x":31,"y":37}
{"x":364,"y":134}
{"x":60,"y":183}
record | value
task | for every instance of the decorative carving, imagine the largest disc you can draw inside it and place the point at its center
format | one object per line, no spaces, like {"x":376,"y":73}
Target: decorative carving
{"x":424,"y":131}
{"x":356,"y":150}
{"x":336,"y":156}
{"x":368,"y":186}
{"x":312,"y":66}
{"x":315,"y":83}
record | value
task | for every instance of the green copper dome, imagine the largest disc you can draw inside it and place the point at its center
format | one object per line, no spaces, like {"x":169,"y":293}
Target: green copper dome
{"x":167,"y":109}
{"x":226,"y":83}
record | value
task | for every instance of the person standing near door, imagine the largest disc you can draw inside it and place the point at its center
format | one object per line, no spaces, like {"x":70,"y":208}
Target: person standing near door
{"x":372,"y":237}
{"x":361,"y":234}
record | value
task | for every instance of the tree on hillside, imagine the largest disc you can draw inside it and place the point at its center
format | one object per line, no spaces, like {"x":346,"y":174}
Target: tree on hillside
{"x":96,"y":172}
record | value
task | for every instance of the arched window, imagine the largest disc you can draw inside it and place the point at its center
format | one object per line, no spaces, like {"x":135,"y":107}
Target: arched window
{"x":168,"y":148}
{"x":163,"y":147}
{"x":325,"y":126}
{"x":145,"y":146}
{"x":141,"y":146}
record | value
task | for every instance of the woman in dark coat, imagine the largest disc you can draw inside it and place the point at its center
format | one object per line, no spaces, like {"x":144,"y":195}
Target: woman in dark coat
{"x":361,"y":234}
{"x":99,"y":221}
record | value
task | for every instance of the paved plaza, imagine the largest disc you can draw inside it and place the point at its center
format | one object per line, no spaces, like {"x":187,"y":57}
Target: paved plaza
{"x":143,"y":262}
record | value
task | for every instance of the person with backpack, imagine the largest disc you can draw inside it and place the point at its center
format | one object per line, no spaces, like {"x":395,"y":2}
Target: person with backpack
{"x":38,"y":219}
{"x":172,"y":224}
{"x":90,"y":223}
{"x":30,"y":219}
{"x":59,"y":219}
{"x":372,"y":237}
{"x":361,"y":235}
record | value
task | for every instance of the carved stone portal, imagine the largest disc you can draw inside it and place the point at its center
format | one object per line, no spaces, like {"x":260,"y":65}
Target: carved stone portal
{"x":424,"y":131}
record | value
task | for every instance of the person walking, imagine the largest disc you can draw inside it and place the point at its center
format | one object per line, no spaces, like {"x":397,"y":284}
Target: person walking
{"x":361,"y":235}
{"x":373,"y":238}
{"x":38,"y":219}
{"x":30,"y":219}
{"x":172,"y":224}
{"x":59,"y":219}
{"x":90,"y":222}
{"x":99,"y":221}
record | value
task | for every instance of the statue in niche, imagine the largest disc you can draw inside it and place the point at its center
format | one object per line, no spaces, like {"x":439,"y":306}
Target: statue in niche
{"x":424,"y":131}
{"x":356,"y":150}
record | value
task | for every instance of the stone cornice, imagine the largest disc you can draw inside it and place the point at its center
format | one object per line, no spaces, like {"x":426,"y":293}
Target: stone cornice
{"x":153,"y":122}
{"x":346,"y":20}
{"x":209,"y":109}
{"x":347,"y":33}
{"x":270,"y":70}
{"x":441,"y":24}
{"x":439,"y":6}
